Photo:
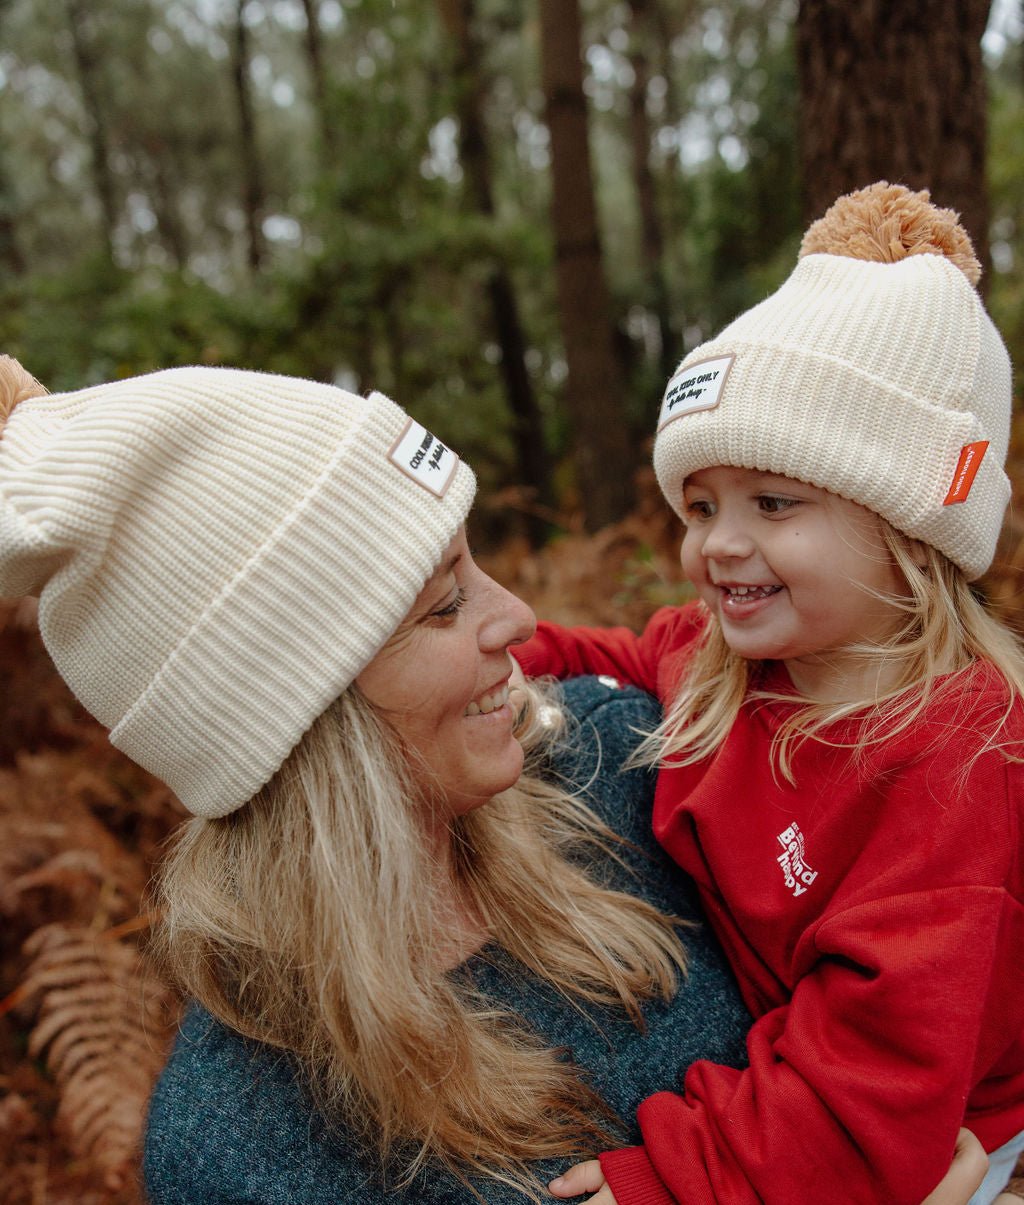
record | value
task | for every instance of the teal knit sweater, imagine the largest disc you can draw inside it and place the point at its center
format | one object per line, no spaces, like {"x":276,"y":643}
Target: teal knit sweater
{"x":231,"y":1123}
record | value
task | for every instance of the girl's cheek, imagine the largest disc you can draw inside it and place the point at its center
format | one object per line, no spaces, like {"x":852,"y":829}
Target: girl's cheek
{"x":689,"y":555}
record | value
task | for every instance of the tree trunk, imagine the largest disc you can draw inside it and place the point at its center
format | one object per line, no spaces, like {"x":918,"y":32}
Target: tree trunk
{"x":532,"y":462}
{"x":86,"y":65}
{"x":161,"y":180}
{"x":652,"y":242}
{"x":318,"y":80}
{"x":11,"y":259}
{"x":603,"y":458}
{"x":253,"y":200}
{"x":895,"y":90}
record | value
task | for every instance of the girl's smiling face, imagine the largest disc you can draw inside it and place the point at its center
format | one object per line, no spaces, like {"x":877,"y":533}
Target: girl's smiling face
{"x":441,"y":681}
{"x":792,"y":573}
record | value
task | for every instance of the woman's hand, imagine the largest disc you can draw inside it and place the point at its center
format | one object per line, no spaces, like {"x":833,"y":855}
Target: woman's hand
{"x":966,"y":1172}
{"x":588,"y":1177}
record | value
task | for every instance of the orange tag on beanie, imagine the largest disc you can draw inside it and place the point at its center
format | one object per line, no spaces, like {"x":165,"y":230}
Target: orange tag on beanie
{"x":967,"y":466}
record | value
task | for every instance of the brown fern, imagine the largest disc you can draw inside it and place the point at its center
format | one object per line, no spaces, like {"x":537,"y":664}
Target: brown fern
{"x":57,"y":858}
{"x":21,"y":1180}
{"x":80,"y":827}
{"x":103,"y":1023}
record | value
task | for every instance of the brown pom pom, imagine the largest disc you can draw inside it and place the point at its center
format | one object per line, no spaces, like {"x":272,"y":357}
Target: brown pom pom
{"x":15,"y":386}
{"x":886,"y":223}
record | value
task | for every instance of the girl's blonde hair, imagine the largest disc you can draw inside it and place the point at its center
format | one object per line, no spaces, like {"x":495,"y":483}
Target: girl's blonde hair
{"x":945,"y":628}
{"x":308,"y":920}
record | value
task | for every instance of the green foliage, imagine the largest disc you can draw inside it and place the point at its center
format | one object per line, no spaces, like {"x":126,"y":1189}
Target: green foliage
{"x":741,"y":202}
{"x":642,"y":581}
{"x":378,"y":261}
{"x":97,"y":322}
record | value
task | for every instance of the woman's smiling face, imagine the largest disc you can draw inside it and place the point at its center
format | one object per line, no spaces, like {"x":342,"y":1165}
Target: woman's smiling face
{"x":441,"y":681}
{"x":791,"y":572}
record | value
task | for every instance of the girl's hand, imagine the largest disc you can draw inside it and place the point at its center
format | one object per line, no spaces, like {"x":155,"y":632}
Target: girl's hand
{"x":588,"y":1177}
{"x":966,"y":1172}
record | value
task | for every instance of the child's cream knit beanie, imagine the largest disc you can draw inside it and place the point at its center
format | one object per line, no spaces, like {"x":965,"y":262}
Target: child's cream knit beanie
{"x":217,"y":555}
{"x":874,"y":372}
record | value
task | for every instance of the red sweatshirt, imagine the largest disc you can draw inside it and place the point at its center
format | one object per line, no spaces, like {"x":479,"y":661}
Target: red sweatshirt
{"x":873,"y":917}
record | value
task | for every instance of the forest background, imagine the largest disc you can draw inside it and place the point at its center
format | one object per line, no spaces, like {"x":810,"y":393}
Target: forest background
{"x":514,"y":217}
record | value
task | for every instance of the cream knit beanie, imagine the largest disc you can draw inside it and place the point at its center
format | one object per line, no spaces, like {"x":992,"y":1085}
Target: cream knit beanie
{"x":874,"y":372}
{"x":217,"y":554}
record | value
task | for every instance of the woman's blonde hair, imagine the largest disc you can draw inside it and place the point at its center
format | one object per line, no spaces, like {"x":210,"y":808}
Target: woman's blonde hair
{"x":307,"y":920}
{"x":946,"y":627}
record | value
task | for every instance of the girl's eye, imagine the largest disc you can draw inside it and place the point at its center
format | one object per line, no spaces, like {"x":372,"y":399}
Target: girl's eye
{"x":699,"y":508}
{"x":773,"y":504}
{"x":451,"y":609}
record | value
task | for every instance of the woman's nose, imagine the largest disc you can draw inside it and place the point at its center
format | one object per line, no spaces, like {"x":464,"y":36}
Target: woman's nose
{"x":507,"y":619}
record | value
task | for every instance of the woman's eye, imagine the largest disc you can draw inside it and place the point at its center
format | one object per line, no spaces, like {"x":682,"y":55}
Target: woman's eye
{"x":773,"y":504}
{"x":452,"y":608}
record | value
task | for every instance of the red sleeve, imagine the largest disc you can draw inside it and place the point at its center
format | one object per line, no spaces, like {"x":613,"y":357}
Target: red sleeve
{"x":652,"y":661}
{"x":632,"y":1176}
{"x":902,"y":1004}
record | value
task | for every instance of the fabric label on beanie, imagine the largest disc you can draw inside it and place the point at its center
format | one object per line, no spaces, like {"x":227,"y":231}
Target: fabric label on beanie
{"x":966,"y":470}
{"x":695,"y":387}
{"x":424,"y":458}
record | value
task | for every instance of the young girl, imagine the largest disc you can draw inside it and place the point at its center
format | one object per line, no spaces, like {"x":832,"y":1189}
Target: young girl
{"x":841,"y":750}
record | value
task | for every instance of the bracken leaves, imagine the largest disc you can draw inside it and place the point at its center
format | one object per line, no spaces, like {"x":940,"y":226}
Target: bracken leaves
{"x":102,"y":1024}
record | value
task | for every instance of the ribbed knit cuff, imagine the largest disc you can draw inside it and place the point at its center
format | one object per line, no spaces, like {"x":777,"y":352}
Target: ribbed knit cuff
{"x":632,"y":1178}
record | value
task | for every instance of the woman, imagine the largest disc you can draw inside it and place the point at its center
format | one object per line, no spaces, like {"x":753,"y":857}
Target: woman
{"x":262,"y":586}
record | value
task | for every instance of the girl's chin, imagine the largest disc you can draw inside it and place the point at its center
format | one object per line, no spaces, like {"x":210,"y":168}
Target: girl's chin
{"x":752,"y":648}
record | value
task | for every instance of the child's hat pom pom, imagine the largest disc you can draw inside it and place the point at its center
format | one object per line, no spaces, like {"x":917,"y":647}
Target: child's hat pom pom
{"x":886,"y":223}
{"x":15,"y":386}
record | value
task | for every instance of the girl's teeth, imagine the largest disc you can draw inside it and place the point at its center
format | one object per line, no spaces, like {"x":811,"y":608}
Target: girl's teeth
{"x":751,"y":591}
{"x":489,"y":702}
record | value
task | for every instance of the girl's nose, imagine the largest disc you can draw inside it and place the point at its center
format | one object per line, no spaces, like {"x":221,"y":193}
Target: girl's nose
{"x":726,"y":539}
{"x":507,"y":619}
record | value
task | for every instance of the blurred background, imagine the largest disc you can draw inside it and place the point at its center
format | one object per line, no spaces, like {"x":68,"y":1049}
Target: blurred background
{"x":513,"y":217}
